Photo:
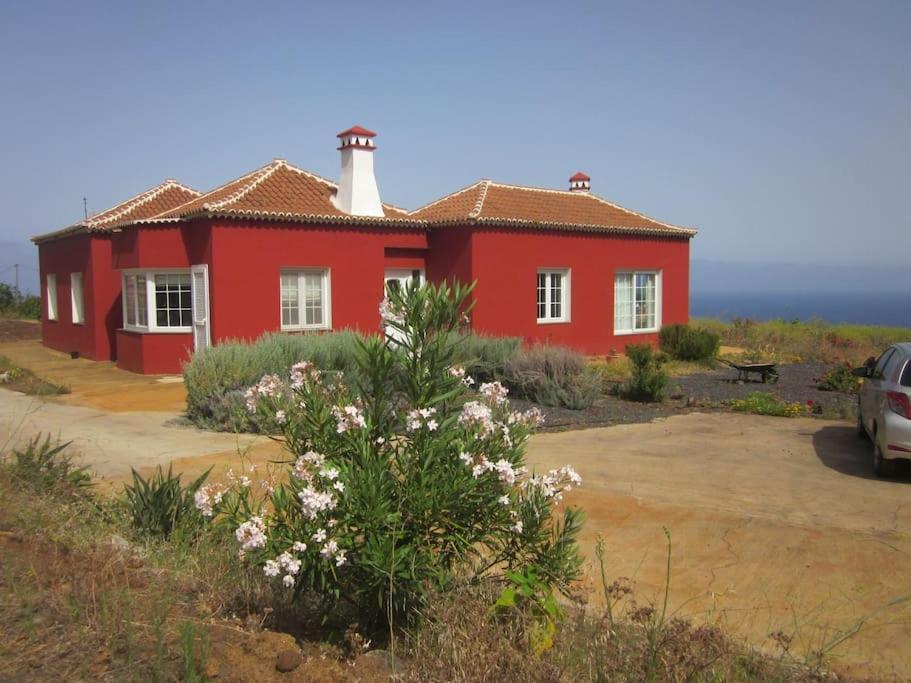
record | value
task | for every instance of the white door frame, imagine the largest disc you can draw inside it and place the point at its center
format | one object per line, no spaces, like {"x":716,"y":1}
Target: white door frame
{"x":402,"y":275}
{"x":202,"y":328}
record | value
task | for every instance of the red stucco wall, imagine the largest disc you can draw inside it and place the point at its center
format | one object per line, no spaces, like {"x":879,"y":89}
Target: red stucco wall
{"x":505,"y":264}
{"x":153,"y":354}
{"x":91,"y":256}
{"x":247,"y":259}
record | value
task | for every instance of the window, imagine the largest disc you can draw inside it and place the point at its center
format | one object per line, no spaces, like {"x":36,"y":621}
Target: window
{"x":172,"y":300}
{"x":553,"y":296}
{"x":51,"y":297}
{"x":305,"y":300}
{"x":880,"y":367}
{"x":76,"y":300}
{"x":637,"y":305}
{"x":157,"y":302}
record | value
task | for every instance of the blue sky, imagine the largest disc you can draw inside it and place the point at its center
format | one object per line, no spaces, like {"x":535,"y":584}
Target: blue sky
{"x":781,"y":129}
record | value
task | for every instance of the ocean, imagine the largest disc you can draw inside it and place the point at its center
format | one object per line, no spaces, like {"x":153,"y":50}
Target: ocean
{"x":873,"y":308}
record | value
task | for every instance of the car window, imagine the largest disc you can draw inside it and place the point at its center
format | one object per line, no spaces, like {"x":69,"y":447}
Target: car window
{"x":891,"y":368}
{"x":881,"y":363}
{"x":906,"y":375}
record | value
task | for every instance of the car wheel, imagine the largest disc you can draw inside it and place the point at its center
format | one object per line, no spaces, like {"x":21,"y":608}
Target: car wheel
{"x":881,"y":466}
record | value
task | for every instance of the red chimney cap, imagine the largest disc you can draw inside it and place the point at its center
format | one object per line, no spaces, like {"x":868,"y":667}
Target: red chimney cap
{"x":357,"y":130}
{"x":580,"y":176}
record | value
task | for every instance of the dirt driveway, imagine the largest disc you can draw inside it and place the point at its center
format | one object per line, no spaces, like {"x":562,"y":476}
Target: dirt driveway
{"x":776,"y":524}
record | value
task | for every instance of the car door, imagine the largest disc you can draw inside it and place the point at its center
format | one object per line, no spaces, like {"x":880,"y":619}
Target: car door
{"x":871,"y":394}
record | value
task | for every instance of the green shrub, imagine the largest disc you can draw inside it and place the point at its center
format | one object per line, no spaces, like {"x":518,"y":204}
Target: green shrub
{"x":485,"y":358}
{"x":14,"y":303}
{"x":682,"y":342}
{"x":840,"y":378}
{"x":397,"y":490}
{"x":552,"y":376}
{"x":216,"y":377}
{"x":160,"y":504}
{"x":762,"y":403}
{"x":44,"y":466}
{"x":648,"y":380}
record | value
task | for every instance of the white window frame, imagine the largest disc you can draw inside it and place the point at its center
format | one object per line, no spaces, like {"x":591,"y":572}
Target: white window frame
{"x":150,"y":325}
{"x":326,"y":294}
{"x":565,"y":295}
{"x":77,"y":299}
{"x":658,"y":296}
{"x":51,"y":280}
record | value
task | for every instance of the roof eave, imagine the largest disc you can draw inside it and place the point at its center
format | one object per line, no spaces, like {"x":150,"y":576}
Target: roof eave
{"x":658,"y":231}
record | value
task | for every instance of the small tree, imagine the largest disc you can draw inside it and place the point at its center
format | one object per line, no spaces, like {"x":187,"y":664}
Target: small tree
{"x":404,"y":482}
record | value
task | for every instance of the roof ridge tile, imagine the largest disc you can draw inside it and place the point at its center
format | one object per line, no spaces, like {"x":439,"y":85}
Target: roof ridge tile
{"x":111,"y":215}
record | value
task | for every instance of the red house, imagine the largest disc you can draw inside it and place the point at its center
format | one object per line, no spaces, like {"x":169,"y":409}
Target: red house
{"x":170,"y":271}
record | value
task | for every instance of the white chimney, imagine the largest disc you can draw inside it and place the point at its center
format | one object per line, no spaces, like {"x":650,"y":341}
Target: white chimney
{"x":357,"y":192}
{"x":580,"y":183}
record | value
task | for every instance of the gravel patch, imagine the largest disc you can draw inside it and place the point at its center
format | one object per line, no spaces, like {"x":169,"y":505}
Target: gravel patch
{"x":703,"y":392}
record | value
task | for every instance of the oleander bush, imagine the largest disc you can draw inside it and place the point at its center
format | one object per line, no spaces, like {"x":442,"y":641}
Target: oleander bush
{"x":648,"y":378}
{"x":682,"y":342}
{"x":553,"y":376}
{"x":400,"y":480}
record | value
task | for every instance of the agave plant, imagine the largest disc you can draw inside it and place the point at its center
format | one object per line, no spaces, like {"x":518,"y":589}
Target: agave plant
{"x":160,"y":504}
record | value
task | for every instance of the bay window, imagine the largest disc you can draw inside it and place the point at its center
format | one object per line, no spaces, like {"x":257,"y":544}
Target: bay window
{"x":553,"y":296}
{"x":157,"y":301}
{"x":305,"y":299}
{"x":637,"y":302}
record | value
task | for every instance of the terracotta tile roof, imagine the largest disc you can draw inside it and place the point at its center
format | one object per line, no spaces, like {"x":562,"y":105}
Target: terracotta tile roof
{"x":278,"y":191}
{"x":489,"y":203}
{"x":150,"y":203}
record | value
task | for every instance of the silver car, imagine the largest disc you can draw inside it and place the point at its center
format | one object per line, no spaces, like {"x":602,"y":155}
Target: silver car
{"x":884,"y":407}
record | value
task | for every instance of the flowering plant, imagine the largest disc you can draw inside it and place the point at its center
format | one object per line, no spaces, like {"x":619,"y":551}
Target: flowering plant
{"x":403,"y":479}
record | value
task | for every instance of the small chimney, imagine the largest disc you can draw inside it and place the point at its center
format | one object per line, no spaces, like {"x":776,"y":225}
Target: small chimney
{"x":580,"y":183}
{"x":357,"y":192}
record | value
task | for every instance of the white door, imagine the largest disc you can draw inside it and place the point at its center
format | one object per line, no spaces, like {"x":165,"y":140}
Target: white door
{"x":202,"y":337}
{"x":398,"y":278}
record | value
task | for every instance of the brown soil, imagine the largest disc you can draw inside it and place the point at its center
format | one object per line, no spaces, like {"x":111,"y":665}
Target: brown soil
{"x":19,"y":330}
{"x":95,"y":615}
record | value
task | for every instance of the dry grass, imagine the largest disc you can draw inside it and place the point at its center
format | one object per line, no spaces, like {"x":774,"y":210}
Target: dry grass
{"x":462,"y":641}
{"x":799,"y":341}
{"x":23,"y":380}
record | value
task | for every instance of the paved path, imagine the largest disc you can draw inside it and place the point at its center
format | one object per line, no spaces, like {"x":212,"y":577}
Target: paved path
{"x":111,"y":443}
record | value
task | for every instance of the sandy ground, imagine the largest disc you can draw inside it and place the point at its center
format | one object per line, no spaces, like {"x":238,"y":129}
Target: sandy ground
{"x":776,"y":523}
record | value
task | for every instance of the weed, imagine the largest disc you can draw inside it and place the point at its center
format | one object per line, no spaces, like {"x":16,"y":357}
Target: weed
{"x":762,"y":403}
{"x":20,"y":379}
{"x":840,"y":378}
{"x":44,"y":466}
